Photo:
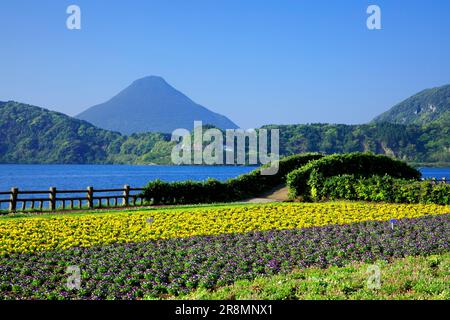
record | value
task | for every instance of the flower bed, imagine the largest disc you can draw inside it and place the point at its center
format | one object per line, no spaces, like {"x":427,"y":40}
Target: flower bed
{"x":34,"y":234}
{"x":178,"y":265}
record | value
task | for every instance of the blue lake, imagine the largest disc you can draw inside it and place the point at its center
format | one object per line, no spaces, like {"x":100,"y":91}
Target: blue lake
{"x":437,"y":173}
{"x":41,"y":177}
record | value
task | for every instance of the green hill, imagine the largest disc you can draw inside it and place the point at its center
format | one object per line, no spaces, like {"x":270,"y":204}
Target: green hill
{"x":30,"y":134}
{"x":411,"y":143}
{"x":431,"y":105}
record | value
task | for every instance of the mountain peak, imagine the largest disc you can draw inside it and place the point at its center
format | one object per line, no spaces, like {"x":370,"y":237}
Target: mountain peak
{"x":150,"y":79}
{"x":148,"y":84}
{"x":150,"y":104}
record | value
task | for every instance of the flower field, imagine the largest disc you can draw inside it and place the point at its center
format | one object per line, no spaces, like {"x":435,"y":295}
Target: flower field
{"x":50,"y":233}
{"x":178,"y":265}
{"x":173,"y":251}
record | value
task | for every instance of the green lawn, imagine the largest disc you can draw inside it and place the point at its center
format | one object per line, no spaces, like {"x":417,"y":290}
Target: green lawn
{"x":407,"y":278}
{"x":46,"y":214}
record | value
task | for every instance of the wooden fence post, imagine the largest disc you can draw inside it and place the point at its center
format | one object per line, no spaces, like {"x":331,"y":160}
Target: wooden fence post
{"x":90,"y":197}
{"x":126,"y":195}
{"x":52,"y":195}
{"x":13,"y":199}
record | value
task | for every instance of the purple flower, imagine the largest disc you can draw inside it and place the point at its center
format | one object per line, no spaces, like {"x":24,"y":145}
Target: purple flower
{"x":173,"y":266}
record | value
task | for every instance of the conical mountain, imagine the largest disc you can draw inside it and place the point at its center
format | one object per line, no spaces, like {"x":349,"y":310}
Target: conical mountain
{"x":150,"y":104}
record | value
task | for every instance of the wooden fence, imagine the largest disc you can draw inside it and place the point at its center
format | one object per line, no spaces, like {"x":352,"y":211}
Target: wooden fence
{"x":89,"y":198}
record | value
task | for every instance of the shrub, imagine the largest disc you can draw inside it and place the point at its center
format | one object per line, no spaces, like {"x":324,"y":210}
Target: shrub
{"x":383,"y":188}
{"x":210,"y":191}
{"x":303,"y":182}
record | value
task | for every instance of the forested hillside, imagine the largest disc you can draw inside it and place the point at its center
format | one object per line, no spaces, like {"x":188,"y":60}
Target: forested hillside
{"x":30,"y":134}
{"x":427,"y":106}
{"x":427,"y":144}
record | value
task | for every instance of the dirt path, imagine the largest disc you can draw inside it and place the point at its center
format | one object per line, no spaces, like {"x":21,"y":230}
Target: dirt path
{"x":279,"y":194}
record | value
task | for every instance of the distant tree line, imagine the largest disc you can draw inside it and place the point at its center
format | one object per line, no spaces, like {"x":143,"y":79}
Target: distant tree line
{"x":31,"y":134}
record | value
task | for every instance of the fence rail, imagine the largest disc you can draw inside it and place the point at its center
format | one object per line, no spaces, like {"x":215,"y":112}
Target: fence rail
{"x":58,"y":199}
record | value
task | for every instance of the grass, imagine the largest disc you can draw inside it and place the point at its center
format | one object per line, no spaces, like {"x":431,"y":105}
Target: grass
{"x":418,"y":277}
{"x":118,"y":210}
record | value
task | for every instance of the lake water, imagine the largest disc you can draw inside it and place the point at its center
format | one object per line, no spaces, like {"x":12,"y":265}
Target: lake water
{"x":41,"y":177}
{"x":437,"y":173}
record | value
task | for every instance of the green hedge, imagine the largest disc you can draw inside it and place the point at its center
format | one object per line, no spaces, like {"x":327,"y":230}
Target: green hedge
{"x":303,"y":182}
{"x":384,"y":189}
{"x":235,"y":189}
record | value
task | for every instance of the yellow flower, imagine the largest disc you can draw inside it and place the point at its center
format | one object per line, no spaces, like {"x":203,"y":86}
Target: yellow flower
{"x":29,"y":234}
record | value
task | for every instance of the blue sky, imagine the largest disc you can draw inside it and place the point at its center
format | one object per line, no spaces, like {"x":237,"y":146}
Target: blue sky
{"x":257,"y":62}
